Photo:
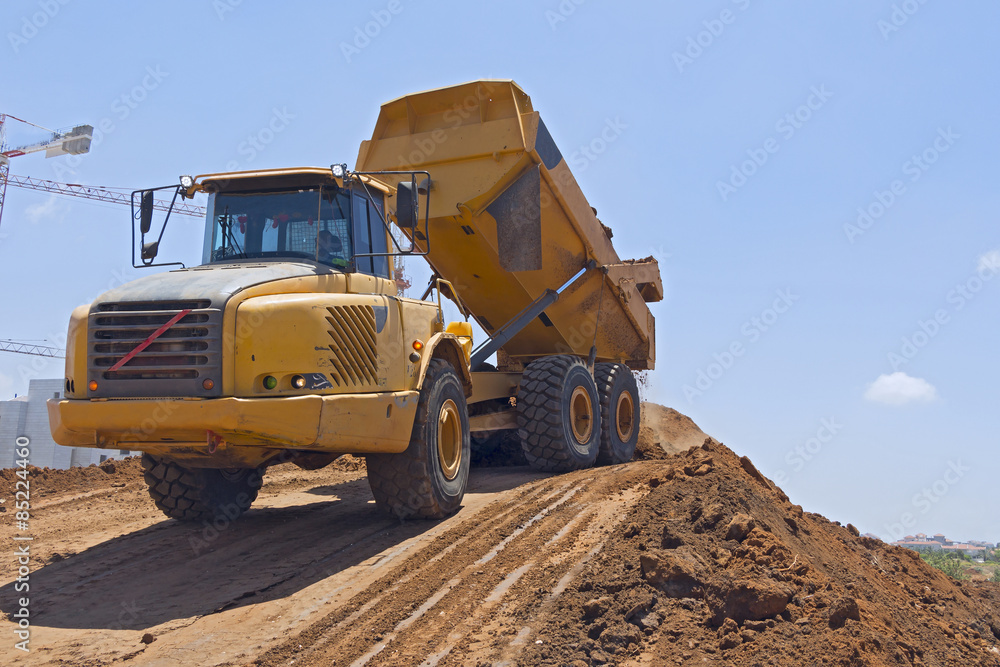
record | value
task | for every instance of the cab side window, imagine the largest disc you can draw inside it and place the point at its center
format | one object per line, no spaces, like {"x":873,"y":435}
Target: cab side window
{"x":369,"y":236}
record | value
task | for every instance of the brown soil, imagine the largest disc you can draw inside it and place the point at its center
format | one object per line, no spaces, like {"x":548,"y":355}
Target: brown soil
{"x":664,"y":431}
{"x":691,"y":559}
{"x":53,"y":481}
{"x":716,"y":566}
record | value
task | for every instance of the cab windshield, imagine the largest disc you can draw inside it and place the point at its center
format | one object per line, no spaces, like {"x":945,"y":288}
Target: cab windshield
{"x":303,"y":224}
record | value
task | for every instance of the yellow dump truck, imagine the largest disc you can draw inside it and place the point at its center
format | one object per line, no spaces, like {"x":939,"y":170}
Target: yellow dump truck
{"x":289,"y":343}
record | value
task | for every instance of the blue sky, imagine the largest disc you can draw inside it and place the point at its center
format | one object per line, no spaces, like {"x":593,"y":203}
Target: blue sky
{"x":747,"y":136}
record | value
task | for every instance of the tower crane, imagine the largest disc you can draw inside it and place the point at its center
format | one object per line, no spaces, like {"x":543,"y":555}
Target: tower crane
{"x":75,"y":141}
{"x":70,"y":142}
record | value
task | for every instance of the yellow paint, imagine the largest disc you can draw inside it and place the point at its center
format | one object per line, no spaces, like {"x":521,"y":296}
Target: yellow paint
{"x":350,"y":423}
{"x":475,"y":140}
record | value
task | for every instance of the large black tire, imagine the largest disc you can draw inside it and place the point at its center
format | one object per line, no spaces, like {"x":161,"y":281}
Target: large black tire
{"x":194,"y":494}
{"x":428,"y":480}
{"x":620,"y":410}
{"x":557,"y":414}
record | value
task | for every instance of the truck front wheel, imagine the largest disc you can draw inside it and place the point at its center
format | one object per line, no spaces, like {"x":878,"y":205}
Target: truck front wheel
{"x":558,"y":415}
{"x":194,"y":494}
{"x":428,"y":480}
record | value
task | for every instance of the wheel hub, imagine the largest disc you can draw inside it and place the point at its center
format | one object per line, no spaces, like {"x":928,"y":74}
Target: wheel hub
{"x":625,"y":416}
{"x":581,"y":415}
{"x":449,"y":440}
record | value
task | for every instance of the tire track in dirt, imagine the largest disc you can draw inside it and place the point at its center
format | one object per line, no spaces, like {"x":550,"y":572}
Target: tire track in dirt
{"x":362,"y":610}
{"x":492,"y":565}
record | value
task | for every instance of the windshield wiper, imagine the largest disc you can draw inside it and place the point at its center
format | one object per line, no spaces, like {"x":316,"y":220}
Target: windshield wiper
{"x":227,"y":230}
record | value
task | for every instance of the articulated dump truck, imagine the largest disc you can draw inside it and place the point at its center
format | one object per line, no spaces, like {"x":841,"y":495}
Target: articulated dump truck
{"x":289,"y":342}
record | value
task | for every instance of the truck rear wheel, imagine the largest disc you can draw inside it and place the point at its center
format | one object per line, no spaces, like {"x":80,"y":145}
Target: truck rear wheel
{"x":193,"y":494}
{"x":557,"y":414}
{"x":619,"y":395}
{"x":428,"y":480}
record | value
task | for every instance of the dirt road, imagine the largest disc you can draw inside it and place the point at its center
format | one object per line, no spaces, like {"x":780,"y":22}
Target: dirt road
{"x":314,"y":572}
{"x":692,"y":559}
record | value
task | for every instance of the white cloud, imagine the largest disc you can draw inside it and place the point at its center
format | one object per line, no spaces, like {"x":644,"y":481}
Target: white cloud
{"x":900,"y":389}
{"x":990,"y":262}
{"x":52,"y":209}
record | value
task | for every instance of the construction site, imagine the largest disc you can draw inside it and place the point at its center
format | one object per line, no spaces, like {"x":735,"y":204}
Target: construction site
{"x":685,"y":556}
{"x":285,"y":456}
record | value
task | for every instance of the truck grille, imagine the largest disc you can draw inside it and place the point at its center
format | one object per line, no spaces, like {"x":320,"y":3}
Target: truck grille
{"x":176,"y":363}
{"x":355,"y":355}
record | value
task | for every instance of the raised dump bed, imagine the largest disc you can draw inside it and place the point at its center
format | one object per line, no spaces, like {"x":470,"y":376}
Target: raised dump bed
{"x":508,"y":223}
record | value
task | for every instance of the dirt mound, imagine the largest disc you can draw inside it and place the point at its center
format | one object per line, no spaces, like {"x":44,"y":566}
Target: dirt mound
{"x":664,"y":431}
{"x":112,"y":474}
{"x":52,"y":481}
{"x":715,"y":566}
{"x":349,"y":463}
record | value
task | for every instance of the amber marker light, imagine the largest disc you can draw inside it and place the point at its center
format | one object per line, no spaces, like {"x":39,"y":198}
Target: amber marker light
{"x":208,"y":384}
{"x":418,"y":345}
{"x":92,"y":385}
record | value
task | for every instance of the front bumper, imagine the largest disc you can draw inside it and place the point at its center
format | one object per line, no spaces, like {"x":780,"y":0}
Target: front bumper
{"x":346,"y":423}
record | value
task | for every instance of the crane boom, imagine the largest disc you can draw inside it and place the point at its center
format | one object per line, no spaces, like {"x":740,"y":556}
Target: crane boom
{"x":70,"y":142}
{"x":26,"y":348}
{"x":99,"y":194}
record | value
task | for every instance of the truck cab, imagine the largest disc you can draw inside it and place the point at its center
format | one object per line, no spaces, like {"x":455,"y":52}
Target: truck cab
{"x":288,"y":343}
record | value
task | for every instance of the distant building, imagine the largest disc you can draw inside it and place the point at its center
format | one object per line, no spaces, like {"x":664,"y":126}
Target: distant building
{"x":940,"y":543}
{"x":28,"y":417}
{"x":919,"y":545}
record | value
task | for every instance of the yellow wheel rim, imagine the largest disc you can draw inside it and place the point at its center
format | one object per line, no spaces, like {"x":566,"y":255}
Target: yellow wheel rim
{"x":625,"y":416}
{"x":581,"y":415}
{"x":449,"y":440}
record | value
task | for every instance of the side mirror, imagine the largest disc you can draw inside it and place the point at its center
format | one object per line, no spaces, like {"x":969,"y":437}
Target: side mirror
{"x":407,"y":208}
{"x":149,"y":250}
{"x":146,"y":214}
